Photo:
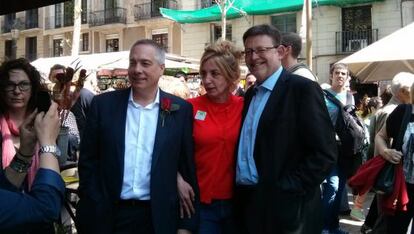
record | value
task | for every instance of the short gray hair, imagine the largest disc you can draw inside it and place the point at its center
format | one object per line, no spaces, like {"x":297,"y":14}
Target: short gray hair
{"x":160,"y":52}
{"x":401,"y":80}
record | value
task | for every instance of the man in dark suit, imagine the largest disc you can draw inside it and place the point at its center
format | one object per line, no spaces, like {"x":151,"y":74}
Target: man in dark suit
{"x":135,"y":141}
{"x":286,"y":146}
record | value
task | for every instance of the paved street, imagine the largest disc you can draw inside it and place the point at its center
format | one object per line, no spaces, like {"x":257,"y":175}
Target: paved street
{"x":352,"y":226}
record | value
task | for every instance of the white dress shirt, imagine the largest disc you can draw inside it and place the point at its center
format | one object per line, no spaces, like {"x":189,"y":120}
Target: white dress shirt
{"x":141,"y":126}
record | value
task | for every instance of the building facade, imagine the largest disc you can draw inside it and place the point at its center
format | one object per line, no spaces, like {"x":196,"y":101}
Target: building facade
{"x":114,"y":25}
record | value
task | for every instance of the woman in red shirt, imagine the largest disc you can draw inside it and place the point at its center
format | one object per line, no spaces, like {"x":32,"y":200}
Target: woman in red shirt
{"x":217,"y":121}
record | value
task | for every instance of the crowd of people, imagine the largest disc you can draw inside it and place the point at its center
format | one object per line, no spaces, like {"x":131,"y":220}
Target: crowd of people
{"x":270,"y":157}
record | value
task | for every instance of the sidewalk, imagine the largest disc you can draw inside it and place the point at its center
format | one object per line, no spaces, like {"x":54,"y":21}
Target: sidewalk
{"x":352,"y":226}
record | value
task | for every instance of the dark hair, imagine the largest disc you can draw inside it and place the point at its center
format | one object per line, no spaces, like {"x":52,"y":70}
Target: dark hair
{"x":32,"y":73}
{"x":159,"y":56}
{"x":263,"y":29}
{"x":293,"y":40}
{"x":57,"y":67}
{"x":386,"y":96}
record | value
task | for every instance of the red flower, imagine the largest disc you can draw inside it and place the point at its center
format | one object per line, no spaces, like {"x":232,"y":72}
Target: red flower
{"x":167,"y":107}
{"x":166,"y":104}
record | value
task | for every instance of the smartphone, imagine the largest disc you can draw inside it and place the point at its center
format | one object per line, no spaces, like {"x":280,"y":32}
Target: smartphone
{"x":43,"y":101}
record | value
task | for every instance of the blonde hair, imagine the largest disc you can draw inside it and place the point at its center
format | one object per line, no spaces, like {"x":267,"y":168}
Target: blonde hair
{"x":227,"y":58}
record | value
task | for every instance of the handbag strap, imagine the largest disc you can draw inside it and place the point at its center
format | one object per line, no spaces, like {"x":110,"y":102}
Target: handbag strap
{"x":333,"y":99}
{"x":406,"y":119}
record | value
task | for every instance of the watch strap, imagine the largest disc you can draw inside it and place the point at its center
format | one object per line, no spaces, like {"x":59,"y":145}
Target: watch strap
{"x":52,"y":149}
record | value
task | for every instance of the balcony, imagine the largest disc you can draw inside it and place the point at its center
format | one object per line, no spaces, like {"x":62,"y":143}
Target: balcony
{"x":152,"y":9}
{"x":64,"y":20}
{"x":31,"y":23}
{"x":352,"y":41}
{"x":108,"y":16}
{"x":19,"y":23}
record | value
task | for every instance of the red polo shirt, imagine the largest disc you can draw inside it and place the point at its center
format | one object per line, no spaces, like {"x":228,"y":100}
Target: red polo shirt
{"x":216,"y":131}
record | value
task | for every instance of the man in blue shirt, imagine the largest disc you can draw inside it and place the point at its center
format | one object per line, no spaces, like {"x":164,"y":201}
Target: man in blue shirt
{"x":286,"y":146}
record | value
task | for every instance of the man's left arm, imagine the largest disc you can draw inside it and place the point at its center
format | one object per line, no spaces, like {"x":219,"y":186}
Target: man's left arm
{"x":187,"y":170}
{"x":316,"y":137}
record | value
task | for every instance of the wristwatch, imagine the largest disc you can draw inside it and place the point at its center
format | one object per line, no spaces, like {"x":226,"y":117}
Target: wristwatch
{"x":53,"y":149}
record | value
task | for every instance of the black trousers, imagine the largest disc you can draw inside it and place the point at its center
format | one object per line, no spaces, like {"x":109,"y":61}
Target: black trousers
{"x":133,"y":216}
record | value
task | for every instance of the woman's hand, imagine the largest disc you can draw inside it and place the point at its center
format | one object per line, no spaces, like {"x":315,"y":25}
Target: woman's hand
{"x":47,"y":126}
{"x":392,"y":155}
{"x":186,"y":197}
{"x":28,"y":135}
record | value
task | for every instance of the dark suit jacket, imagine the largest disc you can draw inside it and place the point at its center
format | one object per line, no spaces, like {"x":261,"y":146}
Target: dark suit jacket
{"x":294,"y":151}
{"x":101,"y":164}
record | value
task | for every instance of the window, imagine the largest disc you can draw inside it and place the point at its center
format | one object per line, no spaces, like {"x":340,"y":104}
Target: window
{"x":216,"y":32}
{"x":68,"y":13}
{"x":112,"y":45}
{"x":31,"y":48}
{"x":357,"y":30}
{"x":285,"y":23}
{"x":84,"y":15}
{"x":155,"y":7}
{"x":58,"y":15}
{"x":57,"y":47}
{"x":161,"y":39}
{"x":31,"y":18}
{"x":9,"y":20}
{"x":8,"y":49}
{"x":110,"y":4}
{"x":84,"y":42}
{"x":207,"y":3}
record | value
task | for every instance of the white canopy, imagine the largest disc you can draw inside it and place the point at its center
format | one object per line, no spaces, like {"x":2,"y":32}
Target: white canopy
{"x":384,"y":58}
{"x":113,"y":60}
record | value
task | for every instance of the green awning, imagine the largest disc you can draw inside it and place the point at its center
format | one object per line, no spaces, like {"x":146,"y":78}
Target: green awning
{"x":250,"y":7}
{"x":198,"y":16}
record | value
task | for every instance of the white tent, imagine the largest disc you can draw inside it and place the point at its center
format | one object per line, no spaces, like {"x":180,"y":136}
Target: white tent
{"x":384,"y":58}
{"x":113,"y":60}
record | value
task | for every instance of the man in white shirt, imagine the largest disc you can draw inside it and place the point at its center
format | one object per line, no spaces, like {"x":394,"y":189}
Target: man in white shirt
{"x":135,"y":142}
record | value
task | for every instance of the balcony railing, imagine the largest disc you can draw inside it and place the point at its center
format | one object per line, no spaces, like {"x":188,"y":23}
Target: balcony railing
{"x":351,"y":41}
{"x":31,"y":23}
{"x":152,"y":9}
{"x":19,"y":23}
{"x":108,"y":16}
{"x":65,"y":20}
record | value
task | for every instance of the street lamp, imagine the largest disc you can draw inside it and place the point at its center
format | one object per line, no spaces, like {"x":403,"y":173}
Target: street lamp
{"x":15,"y":35}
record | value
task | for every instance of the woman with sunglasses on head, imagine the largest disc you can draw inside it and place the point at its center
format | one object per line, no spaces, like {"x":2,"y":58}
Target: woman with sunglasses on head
{"x":217,"y":121}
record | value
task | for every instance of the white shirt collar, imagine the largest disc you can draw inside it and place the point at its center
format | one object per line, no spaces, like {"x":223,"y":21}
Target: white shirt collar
{"x":151,"y":105}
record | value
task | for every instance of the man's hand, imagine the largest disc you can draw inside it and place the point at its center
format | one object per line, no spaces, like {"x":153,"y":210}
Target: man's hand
{"x":183,"y":231}
{"x":187,"y":197}
{"x":28,"y":135}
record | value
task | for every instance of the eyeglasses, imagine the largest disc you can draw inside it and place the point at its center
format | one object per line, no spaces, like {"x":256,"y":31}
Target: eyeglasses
{"x":23,"y":86}
{"x":258,"y":51}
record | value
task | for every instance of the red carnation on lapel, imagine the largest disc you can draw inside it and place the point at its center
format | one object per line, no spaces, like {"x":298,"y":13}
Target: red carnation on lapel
{"x":166,"y":108}
{"x":166,"y":104}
